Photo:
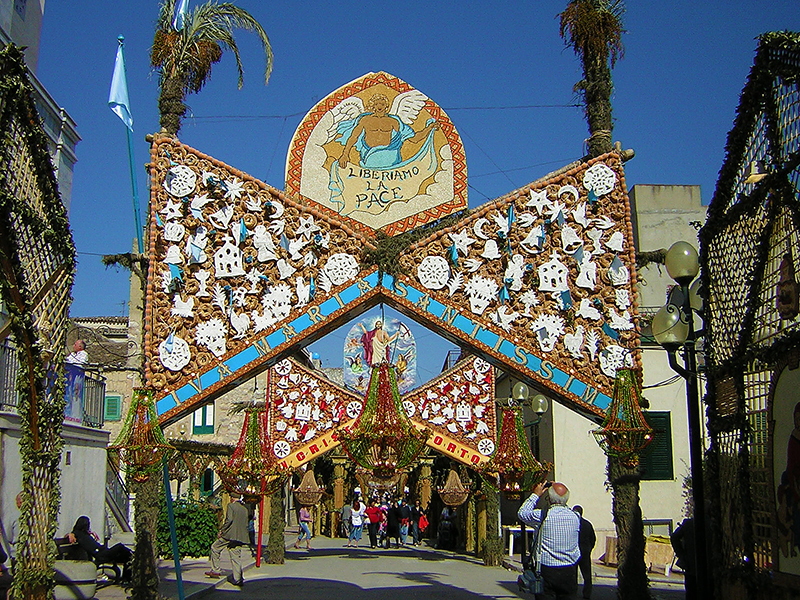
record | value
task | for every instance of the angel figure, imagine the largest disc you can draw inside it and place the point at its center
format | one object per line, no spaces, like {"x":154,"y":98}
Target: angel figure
{"x":380,"y":132}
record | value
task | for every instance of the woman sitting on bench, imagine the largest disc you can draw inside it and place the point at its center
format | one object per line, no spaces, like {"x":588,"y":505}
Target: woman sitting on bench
{"x":100,"y":553}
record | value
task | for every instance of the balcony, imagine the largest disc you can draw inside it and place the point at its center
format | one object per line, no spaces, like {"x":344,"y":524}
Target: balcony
{"x":86,"y":389}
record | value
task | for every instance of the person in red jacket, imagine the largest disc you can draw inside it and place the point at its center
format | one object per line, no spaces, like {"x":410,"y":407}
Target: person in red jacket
{"x":374,"y":515}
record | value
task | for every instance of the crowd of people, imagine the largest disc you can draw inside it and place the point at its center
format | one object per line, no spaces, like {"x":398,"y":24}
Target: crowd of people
{"x":387,"y":520}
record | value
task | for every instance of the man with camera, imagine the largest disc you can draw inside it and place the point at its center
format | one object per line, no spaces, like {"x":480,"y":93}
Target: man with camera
{"x":559,"y":528}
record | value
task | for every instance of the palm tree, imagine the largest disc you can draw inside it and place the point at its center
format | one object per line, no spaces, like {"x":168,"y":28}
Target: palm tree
{"x":593,"y":29}
{"x":184,"y":58}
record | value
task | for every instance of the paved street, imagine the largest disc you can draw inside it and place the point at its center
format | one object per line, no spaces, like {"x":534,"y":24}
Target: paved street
{"x":334,"y":572}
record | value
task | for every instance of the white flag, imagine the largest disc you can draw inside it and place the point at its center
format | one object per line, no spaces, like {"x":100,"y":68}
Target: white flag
{"x":118,"y":96}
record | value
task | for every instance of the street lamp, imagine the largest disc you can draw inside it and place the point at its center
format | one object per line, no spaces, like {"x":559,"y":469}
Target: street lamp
{"x":520,"y":394}
{"x":673,"y":328}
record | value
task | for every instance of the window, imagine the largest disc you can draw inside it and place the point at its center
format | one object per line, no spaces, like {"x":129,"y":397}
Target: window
{"x":203,"y":420}
{"x":113,"y":407}
{"x":657,"y":459}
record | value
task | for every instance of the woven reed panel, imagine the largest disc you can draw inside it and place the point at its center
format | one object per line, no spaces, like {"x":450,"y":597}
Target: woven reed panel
{"x":731,"y":264}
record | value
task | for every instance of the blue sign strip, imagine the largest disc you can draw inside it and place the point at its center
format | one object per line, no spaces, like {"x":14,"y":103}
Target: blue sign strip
{"x":449,"y":315}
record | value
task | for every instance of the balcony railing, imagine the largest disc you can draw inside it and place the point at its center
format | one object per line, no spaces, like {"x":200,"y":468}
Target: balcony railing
{"x":9,"y":369}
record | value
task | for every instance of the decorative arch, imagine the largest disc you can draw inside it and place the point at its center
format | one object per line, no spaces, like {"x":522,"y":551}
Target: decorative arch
{"x":539,"y":282}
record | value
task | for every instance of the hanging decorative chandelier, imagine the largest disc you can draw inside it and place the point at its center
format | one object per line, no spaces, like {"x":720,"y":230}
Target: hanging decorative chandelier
{"x":453,"y":493}
{"x":625,"y":433}
{"x":513,"y":469}
{"x":253,"y":469}
{"x":383,"y":439}
{"x":308,"y":493}
{"x":141,"y":446}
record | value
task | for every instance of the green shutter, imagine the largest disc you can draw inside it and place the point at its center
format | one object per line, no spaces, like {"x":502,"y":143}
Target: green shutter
{"x":203,"y":420}
{"x":113,"y":408}
{"x":656,"y":460}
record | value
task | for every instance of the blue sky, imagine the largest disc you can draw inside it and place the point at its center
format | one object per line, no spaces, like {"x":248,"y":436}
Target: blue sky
{"x":499,"y":70}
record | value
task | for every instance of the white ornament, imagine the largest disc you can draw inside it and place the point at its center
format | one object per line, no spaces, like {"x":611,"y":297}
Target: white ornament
{"x":177,"y":357}
{"x":569,"y":189}
{"x":285,"y":269}
{"x":570,"y":240}
{"x":515,"y":272}
{"x":604,"y":222}
{"x":486,"y":447}
{"x":433,"y":272}
{"x":284,"y":367}
{"x":241,"y":323}
{"x":202,"y":276}
{"x":253,"y":205}
{"x":307,"y":227}
{"x":490,"y":251}
{"x":228,"y":259}
{"x":235,"y":188}
{"x":281,"y":449}
{"x":174,"y":232}
{"x":481,"y":291}
{"x":462,"y":241}
{"x":588,"y":311}
{"x":573,"y":342}
{"x":472,"y":264}
{"x":211,"y":334}
{"x":557,"y":209}
{"x":341,"y":268}
{"x":172,"y":210}
{"x":303,"y":291}
{"x":548,"y":329}
{"x":614,"y":357}
{"x":620,"y":322}
{"x":599,"y":178}
{"x":529,"y":298}
{"x":295,"y":246}
{"x":579,"y":215}
{"x":539,"y":201}
{"x":181,"y":308}
{"x":454,"y":283}
{"x":592,"y":343}
{"x":409,"y":408}
{"x":197,"y":204}
{"x":262,"y":242}
{"x":553,"y":275}
{"x":616,"y":242}
{"x":532,"y":244}
{"x":477,"y":228}
{"x":504,"y":319}
{"x":587,"y":275}
{"x":502,"y":224}
{"x":180,"y":181}
{"x":619,"y":275}
{"x":623,"y":298}
{"x":222,"y":217}
{"x":595,"y":235}
{"x":278,"y":301}
{"x":353,"y":409}
{"x":174,"y":255}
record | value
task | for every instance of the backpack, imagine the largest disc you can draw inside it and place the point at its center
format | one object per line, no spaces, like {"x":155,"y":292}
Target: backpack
{"x":531,"y":580}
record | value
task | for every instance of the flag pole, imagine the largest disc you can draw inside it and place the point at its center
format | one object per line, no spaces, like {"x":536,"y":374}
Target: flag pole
{"x":119,"y":103}
{"x":136,"y":215}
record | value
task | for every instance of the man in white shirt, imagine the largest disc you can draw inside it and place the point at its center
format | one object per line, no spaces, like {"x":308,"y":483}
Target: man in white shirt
{"x":559,"y":527}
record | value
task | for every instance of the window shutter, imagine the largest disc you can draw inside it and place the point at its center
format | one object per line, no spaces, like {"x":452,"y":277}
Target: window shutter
{"x":656,"y":460}
{"x":113,"y":407}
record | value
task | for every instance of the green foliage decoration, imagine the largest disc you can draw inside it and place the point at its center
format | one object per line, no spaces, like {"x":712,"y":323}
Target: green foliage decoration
{"x":196,"y":525}
{"x":25,"y":217}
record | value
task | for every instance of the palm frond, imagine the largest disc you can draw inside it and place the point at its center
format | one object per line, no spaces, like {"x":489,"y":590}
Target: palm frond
{"x":594,"y":28}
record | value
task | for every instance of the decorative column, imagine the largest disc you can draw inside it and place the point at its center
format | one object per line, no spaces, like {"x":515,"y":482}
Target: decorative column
{"x":338,"y":493}
{"x":480,"y":521}
{"x":426,"y":479}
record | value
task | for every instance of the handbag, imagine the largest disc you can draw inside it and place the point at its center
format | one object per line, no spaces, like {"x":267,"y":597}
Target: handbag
{"x":531,"y":580}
